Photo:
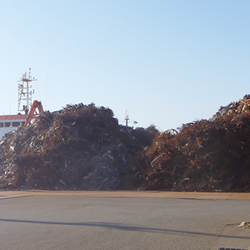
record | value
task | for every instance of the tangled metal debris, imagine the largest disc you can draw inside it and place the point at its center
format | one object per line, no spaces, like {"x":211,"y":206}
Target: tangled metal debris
{"x":245,"y":224}
{"x":79,"y":147}
{"x":206,"y":155}
{"x":84,"y":147}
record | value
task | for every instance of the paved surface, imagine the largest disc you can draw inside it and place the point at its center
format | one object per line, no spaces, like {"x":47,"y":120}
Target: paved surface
{"x":123,"y":220}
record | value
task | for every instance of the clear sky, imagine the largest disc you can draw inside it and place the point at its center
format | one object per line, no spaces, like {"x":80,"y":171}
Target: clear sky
{"x":167,"y":62}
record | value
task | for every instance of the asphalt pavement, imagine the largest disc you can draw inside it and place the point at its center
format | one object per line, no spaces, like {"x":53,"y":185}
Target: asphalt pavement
{"x":123,"y":220}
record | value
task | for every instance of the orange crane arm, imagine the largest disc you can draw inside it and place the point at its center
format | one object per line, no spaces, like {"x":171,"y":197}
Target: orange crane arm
{"x":35,"y":104}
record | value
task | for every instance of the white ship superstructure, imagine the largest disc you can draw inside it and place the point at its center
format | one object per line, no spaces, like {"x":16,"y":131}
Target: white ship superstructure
{"x":10,"y":122}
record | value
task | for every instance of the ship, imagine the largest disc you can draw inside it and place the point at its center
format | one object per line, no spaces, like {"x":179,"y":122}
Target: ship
{"x":26,"y":109}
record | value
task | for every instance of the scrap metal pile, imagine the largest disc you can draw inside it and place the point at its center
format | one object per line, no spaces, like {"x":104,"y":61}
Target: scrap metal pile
{"x":79,"y":147}
{"x":206,"y":155}
{"x":84,"y":147}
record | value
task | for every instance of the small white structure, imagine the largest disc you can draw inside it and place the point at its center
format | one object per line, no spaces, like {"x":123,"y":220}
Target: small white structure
{"x":25,"y":91}
{"x":10,"y":122}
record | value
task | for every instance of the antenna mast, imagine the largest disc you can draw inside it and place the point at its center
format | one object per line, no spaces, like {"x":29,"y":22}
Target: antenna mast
{"x":25,"y":92}
{"x":126,"y":119}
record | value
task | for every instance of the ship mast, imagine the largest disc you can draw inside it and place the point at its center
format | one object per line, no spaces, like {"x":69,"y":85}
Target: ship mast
{"x":126,"y":119}
{"x":25,"y":92}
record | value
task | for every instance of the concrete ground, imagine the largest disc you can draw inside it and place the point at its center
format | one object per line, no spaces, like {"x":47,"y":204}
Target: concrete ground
{"x":123,"y":220}
{"x":166,"y":194}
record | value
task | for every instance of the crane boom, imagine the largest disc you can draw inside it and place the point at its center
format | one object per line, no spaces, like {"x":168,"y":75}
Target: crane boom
{"x":35,"y":104}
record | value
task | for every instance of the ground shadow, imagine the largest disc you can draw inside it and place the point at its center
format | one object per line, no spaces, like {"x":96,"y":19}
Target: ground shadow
{"x":120,"y":226}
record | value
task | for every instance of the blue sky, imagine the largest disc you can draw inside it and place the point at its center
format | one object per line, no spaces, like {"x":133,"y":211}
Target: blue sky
{"x":165,"y":62}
